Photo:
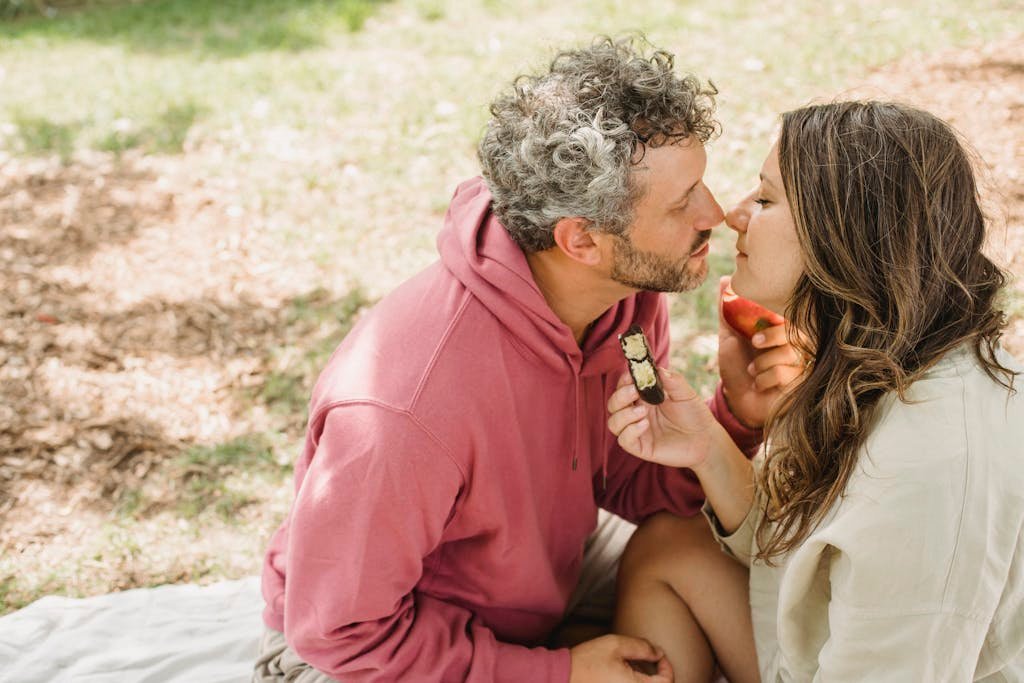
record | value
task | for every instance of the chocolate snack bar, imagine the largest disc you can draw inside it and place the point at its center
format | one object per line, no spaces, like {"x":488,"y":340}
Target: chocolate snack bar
{"x":642,"y":367}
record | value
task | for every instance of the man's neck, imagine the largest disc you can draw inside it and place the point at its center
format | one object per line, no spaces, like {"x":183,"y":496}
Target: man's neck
{"x":574,"y":293}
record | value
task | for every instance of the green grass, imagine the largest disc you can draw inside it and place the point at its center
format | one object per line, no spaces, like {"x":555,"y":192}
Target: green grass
{"x":39,"y":136}
{"x":226,"y":28}
{"x":317,"y":324}
{"x":215,"y":477}
{"x":138,"y":61}
{"x":140,"y":74}
{"x":16,"y":593}
{"x":695,"y":320}
{"x":165,"y":135}
{"x":7,"y":586}
{"x":164,"y":132}
{"x":221,"y":479}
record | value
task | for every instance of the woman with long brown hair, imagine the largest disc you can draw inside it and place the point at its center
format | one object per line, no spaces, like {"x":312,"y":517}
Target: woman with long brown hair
{"x":879,"y":536}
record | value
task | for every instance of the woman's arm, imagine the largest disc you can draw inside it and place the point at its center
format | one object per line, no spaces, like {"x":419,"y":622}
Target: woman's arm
{"x":727,"y":478}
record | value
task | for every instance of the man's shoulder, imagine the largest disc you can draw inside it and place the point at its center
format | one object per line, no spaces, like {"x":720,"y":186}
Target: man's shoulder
{"x":393,"y":349}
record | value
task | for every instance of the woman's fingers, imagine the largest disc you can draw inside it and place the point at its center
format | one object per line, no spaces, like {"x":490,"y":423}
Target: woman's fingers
{"x":779,"y":363}
{"x":621,"y":419}
{"x":775,"y":335}
{"x":779,"y":355}
{"x":627,"y":417}
{"x":631,"y":437}
{"x":676,"y":388}
{"x":625,"y":395}
{"x":777,"y":377}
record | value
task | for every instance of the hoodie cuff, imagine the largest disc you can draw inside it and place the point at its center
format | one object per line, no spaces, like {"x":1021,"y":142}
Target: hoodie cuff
{"x":747,"y":439}
{"x":517,"y":663}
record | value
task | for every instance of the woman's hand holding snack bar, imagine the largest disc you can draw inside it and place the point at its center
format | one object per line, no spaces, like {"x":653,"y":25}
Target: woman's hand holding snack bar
{"x":677,"y":432}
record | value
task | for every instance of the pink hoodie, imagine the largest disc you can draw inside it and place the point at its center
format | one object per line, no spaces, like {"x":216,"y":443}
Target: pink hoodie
{"x":455,"y":459}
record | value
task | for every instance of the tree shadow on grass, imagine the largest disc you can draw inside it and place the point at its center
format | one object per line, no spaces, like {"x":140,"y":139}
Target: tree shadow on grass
{"x":226,"y":28}
{"x":111,"y":456}
{"x":56,"y":339}
{"x":63,"y":214}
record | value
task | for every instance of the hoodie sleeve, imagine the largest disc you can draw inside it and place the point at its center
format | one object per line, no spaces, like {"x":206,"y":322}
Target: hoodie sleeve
{"x":368,"y":514}
{"x":637,"y":489}
{"x":747,"y":439}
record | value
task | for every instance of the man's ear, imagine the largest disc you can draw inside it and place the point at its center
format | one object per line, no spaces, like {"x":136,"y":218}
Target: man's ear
{"x":573,"y":237}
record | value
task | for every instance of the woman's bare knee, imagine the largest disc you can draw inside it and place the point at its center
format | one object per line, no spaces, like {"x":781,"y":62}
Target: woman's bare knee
{"x":662,"y":542}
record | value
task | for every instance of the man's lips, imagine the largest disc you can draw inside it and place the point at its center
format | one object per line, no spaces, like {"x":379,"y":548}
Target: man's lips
{"x":704,"y":249}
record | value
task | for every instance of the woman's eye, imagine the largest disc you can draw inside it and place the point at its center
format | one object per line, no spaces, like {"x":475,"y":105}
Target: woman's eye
{"x":762,"y":202}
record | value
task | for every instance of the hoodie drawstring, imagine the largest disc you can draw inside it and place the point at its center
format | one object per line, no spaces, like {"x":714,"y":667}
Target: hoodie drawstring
{"x":579,"y":412}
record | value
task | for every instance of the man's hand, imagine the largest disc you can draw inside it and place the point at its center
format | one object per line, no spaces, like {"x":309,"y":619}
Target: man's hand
{"x":608,"y":660}
{"x":756,"y":373}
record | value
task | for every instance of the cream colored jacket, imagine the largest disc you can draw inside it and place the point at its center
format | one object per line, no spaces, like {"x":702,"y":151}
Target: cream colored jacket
{"x":917,"y":574}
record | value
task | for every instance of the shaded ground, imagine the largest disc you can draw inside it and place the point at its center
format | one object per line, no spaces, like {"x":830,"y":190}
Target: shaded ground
{"x":150,"y":354}
{"x":156,"y":350}
{"x":981,"y":92}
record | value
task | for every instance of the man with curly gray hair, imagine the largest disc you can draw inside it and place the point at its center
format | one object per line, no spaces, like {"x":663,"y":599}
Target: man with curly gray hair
{"x":446,"y":521}
{"x":595,"y":139}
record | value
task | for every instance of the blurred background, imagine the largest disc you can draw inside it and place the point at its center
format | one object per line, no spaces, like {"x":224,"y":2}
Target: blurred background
{"x":198,"y":199}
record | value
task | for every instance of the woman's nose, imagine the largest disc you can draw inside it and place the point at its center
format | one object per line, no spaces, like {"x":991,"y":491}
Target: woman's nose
{"x":738,"y":216}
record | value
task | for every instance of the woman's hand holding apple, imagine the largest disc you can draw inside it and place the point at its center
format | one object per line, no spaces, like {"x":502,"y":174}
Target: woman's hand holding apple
{"x":757,"y":363}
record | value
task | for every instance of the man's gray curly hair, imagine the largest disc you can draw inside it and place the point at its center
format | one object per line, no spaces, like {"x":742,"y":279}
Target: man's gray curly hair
{"x":564,"y":143}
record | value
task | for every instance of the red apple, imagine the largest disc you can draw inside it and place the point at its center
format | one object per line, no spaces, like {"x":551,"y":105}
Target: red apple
{"x":746,"y":317}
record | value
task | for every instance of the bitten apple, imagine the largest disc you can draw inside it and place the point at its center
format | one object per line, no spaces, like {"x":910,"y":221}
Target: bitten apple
{"x":746,"y":317}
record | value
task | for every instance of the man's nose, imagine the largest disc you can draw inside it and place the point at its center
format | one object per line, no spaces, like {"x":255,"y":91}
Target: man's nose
{"x":713,"y":214}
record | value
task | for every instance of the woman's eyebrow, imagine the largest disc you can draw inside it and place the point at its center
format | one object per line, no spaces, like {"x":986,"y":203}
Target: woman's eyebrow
{"x":767,"y":181}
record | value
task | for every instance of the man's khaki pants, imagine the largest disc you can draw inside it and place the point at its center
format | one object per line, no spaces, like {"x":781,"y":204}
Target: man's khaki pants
{"x":588,"y":615}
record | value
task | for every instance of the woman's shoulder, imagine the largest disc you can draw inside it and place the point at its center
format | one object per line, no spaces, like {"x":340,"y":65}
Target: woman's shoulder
{"x":953,"y":414}
{"x":933,"y":503}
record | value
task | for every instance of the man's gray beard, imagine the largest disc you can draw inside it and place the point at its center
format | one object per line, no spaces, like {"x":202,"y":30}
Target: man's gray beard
{"x":644,"y":270}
